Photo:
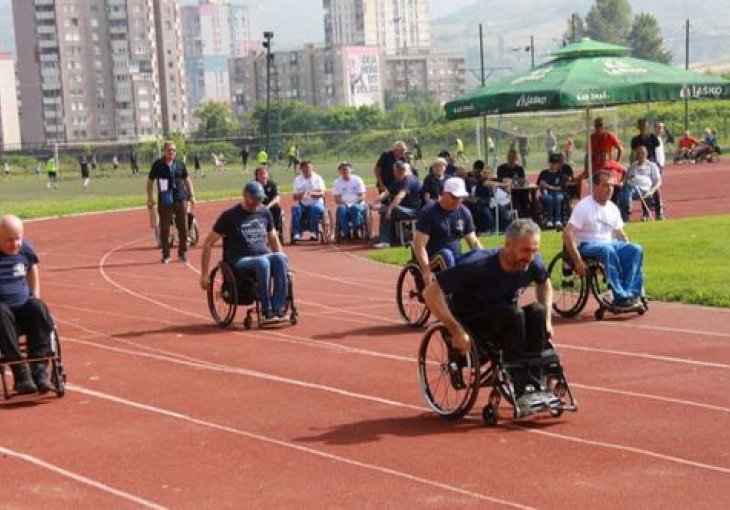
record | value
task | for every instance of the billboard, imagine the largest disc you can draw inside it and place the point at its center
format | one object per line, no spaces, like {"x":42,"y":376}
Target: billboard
{"x":363,"y":76}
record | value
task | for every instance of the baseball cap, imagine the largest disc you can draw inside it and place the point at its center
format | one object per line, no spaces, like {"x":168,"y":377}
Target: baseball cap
{"x":344,"y":164}
{"x":554,"y":158}
{"x":255,"y":189}
{"x":455,"y":186}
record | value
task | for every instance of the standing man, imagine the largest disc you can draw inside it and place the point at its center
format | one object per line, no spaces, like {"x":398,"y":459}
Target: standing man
{"x":384,"y":168}
{"x":293,"y":156}
{"x":22,"y":308}
{"x":133,"y":162}
{"x":244,"y":157}
{"x":551,"y":143}
{"x":84,"y":164}
{"x":349,"y":192}
{"x":272,"y":197}
{"x":174,"y":191}
{"x":604,"y":141}
{"x":460,"y":150}
{"x":52,"y":175}
{"x":660,"y":160}
{"x":262,"y":157}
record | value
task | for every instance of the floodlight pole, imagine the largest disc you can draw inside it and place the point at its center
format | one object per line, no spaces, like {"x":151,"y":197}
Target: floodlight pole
{"x":268,"y":35}
{"x":532,"y":51}
{"x":686,"y":66}
{"x":485,"y":135}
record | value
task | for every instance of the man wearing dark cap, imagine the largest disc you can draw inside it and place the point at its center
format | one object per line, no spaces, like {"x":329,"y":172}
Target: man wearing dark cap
{"x":250,"y":243}
{"x":552,"y":182}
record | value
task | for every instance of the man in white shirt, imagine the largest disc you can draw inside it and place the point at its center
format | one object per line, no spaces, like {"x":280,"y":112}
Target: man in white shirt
{"x":595,"y":229}
{"x":349,"y":192}
{"x":643,"y":179}
{"x":308,"y":198}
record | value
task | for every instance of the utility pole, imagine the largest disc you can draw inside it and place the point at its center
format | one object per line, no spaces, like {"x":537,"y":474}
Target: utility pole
{"x":532,"y":51}
{"x":686,"y":66}
{"x":268,"y":35}
{"x":485,"y":136}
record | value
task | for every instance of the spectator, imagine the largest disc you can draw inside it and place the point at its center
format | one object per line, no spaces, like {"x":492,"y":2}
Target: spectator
{"x":293,"y":156}
{"x":84,"y":165}
{"x":569,"y":149}
{"x":262,"y":157}
{"x":433,"y":184}
{"x":21,"y":308}
{"x":384,"y":167}
{"x":604,"y":141}
{"x":349,"y":193}
{"x":401,"y":201}
{"x":491,"y":214}
{"x":244,"y":157}
{"x":616,"y":169}
{"x":174,"y":193}
{"x":642,"y":179}
{"x":644,"y":139}
{"x":308,"y":198}
{"x":459,"y":149}
{"x":51,"y":171}
{"x":196,"y":163}
{"x":450,"y":164}
{"x":115,"y":164}
{"x":660,"y":160}
{"x":552,"y":192}
{"x":551,"y":143}
{"x":513,"y":174}
{"x":272,"y":197}
{"x":133,"y":163}
{"x":686,"y":144}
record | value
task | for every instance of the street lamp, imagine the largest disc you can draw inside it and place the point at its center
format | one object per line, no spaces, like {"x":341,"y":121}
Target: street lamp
{"x":268,"y":35}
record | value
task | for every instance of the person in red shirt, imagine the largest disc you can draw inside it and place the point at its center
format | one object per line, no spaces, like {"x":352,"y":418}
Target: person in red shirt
{"x":616,"y":169}
{"x":684,"y":147}
{"x":604,"y":141}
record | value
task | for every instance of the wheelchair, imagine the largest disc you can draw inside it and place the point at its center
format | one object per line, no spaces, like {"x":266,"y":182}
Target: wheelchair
{"x":57,"y":372}
{"x":193,"y":231}
{"x":324,"y":226}
{"x":228,"y":289}
{"x":450,"y":381}
{"x":364,"y":232}
{"x":571,"y":291}
{"x":409,"y":291}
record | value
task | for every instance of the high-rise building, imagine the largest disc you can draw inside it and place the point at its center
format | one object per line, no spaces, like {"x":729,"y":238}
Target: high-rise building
{"x":99,"y":69}
{"x":392,"y":25}
{"x":9,"y":121}
{"x":214,"y":32}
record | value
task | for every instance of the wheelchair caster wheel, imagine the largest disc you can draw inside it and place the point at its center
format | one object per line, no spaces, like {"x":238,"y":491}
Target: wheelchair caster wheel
{"x":556,"y":413}
{"x":600,"y":313}
{"x":247,"y":322}
{"x":293,"y":319}
{"x":489,"y":415}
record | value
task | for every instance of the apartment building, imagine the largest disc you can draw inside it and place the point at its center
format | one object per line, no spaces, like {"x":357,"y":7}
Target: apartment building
{"x":9,"y":120}
{"x":99,"y":69}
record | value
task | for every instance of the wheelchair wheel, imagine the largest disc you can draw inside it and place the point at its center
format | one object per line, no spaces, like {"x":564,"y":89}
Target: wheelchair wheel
{"x":193,"y":231}
{"x":599,"y":284}
{"x":409,"y":296}
{"x":325,"y":227}
{"x":570,"y":290}
{"x":222,"y":294}
{"x":58,"y":376}
{"x":449,"y":380}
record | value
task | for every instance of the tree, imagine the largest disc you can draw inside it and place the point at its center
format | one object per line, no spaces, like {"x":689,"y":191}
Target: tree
{"x":576,"y":29}
{"x":215,"y":120}
{"x":646,"y":41}
{"x":609,"y":21}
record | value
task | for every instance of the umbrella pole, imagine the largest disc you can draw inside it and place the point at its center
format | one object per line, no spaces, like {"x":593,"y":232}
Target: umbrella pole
{"x":589,"y":155}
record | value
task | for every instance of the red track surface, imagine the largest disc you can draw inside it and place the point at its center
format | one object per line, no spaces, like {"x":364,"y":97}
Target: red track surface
{"x":163,"y":408}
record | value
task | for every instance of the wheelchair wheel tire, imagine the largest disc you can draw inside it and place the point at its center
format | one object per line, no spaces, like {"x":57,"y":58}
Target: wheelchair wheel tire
{"x":570,"y":290}
{"x":409,"y":296}
{"x":58,"y":376}
{"x":489,"y":415}
{"x":193,"y":232}
{"x":222,"y":294}
{"x":449,"y":381}
{"x":599,"y":284}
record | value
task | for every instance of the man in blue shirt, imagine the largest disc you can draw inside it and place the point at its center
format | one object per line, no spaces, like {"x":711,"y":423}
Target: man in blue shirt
{"x":483,"y":289}
{"x":401,"y":201}
{"x":22,"y":309}
{"x":441,"y":225}
{"x":250,"y":243}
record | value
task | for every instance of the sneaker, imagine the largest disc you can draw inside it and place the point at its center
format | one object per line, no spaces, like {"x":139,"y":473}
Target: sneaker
{"x":165,"y":260}
{"x":268,"y":317}
{"x":529,"y":402}
{"x":355,"y":235}
{"x":297,"y":237}
{"x":549,"y":224}
{"x":550,"y":399}
{"x":182,"y":258}
{"x":645,"y":217}
{"x":381,"y":245}
{"x":281,"y":315}
{"x":559,"y":224}
{"x":313,"y":237}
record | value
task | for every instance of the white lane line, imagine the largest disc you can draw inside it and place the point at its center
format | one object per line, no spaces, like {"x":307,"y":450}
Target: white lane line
{"x":642,"y":355}
{"x":79,"y":478}
{"x":292,"y":446}
{"x":669,"y":329}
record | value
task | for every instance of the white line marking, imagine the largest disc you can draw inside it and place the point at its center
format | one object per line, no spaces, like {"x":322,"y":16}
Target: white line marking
{"x":652,"y":357}
{"x":79,"y":478}
{"x":293,"y":446}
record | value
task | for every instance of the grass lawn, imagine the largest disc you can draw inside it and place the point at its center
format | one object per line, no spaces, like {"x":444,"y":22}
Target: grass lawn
{"x":685,"y":260}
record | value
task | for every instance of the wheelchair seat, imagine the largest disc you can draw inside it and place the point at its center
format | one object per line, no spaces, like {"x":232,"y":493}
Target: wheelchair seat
{"x":450,"y":381}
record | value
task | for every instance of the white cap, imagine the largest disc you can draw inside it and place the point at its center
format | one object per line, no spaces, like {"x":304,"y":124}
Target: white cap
{"x":455,"y":186}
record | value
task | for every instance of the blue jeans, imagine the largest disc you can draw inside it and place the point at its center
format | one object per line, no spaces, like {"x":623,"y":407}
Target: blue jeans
{"x":487,"y":214}
{"x":629,"y":193}
{"x":272,"y":266}
{"x":623,"y":263}
{"x":448,"y":256}
{"x":350,"y":217}
{"x":553,"y":202}
{"x":386,"y":225}
{"x":314,"y":212}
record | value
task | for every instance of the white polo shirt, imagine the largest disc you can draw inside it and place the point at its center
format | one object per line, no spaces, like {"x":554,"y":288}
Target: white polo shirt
{"x":594,"y":222}
{"x":349,"y":191}
{"x":303,"y":185}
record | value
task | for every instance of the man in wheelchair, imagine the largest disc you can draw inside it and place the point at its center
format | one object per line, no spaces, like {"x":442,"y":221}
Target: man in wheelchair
{"x":440,"y":226}
{"x":478,"y":297}
{"x":250,"y":244}
{"x":643,"y":180}
{"x":21,"y":310}
{"x":595,"y":229}
{"x":308,"y":195}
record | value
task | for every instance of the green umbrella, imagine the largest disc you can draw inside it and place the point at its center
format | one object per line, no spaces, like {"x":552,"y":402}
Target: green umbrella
{"x":584,"y":75}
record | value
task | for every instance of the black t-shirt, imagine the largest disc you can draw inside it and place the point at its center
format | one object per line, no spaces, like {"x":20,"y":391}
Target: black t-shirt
{"x":552,"y":178}
{"x":271,"y":190}
{"x":244,"y":233}
{"x":386,"y":163}
{"x":650,"y":141}
{"x":504,"y":171}
{"x":477,"y":281}
{"x":432,"y":186}
{"x":567,"y":171}
{"x":412,"y":187}
{"x":174,"y":174}
{"x":444,"y":228}
{"x":482,"y":190}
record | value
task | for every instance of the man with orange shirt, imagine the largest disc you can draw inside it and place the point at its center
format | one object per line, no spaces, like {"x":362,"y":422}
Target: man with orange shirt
{"x":616,"y":169}
{"x":604,"y":141}
{"x":685,"y":145}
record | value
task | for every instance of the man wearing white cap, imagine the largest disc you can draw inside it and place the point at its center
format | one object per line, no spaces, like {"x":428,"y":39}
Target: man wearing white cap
{"x":440,"y":226}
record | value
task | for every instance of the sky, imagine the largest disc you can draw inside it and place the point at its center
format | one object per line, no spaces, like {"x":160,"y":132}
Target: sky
{"x":293,"y":22}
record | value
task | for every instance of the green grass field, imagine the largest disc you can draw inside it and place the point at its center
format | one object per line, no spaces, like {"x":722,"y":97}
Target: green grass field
{"x":685,"y":260}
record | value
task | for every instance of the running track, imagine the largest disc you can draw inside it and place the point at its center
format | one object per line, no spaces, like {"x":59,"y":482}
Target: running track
{"x":165,"y":410}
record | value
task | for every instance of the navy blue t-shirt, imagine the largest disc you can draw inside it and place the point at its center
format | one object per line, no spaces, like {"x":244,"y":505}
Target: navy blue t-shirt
{"x":504,"y":171}
{"x":386,"y":163}
{"x":433,"y":186}
{"x":444,"y":228}
{"x":174,"y":174}
{"x":244,"y":233}
{"x":477,"y":281}
{"x":410,"y":184}
{"x":650,"y":141}
{"x":14,"y":270}
{"x":552,"y":178}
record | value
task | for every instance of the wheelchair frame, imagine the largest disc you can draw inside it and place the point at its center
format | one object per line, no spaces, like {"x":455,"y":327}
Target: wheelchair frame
{"x":571,"y":291}
{"x":57,"y":372}
{"x":365,"y":230}
{"x":224,"y":297}
{"x":193,"y":231}
{"x":409,"y":291}
{"x":324,"y":224}
{"x":450,"y":382}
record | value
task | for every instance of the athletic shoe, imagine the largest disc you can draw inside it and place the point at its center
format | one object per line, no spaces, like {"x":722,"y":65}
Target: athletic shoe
{"x":297,"y":237}
{"x":313,"y":237}
{"x":549,"y":224}
{"x":559,"y":224}
{"x":529,"y":402}
{"x":379,"y":246}
{"x":182,"y":258}
{"x":268,"y":317}
{"x":165,"y":260}
{"x":281,"y":315}
{"x":549,"y":399}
